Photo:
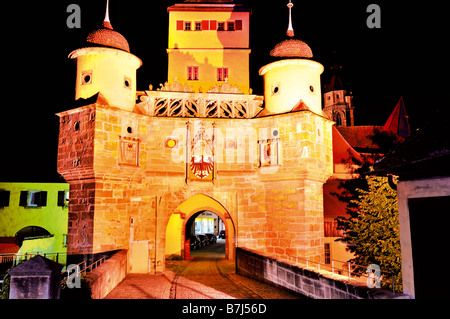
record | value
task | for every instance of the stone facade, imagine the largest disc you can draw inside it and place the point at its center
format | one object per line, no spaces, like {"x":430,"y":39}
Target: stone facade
{"x":125,"y":183}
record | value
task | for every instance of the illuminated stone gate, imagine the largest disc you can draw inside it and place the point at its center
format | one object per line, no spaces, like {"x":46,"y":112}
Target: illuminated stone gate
{"x":139,"y":171}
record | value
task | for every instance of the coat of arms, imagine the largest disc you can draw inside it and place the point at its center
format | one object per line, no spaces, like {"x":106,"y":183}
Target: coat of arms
{"x":201,"y":163}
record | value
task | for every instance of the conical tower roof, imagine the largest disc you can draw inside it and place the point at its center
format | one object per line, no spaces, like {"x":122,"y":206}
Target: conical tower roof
{"x":106,"y":36}
{"x":291,"y":48}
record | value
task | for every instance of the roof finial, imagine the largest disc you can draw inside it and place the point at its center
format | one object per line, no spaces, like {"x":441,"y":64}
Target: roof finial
{"x":290,"y":30}
{"x":106,"y":22}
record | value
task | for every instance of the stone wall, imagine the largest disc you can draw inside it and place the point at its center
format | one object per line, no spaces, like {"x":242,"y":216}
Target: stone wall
{"x":125,"y":183}
{"x":309,"y":283}
{"x":108,"y":275}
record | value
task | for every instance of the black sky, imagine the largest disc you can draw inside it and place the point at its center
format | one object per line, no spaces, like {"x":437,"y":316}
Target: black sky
{"x":407,"y":57}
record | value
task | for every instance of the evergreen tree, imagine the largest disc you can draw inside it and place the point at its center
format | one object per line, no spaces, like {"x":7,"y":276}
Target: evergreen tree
{"x":372,"y":231}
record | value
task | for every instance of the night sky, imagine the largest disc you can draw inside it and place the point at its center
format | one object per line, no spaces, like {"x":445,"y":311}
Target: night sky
{"x":406,"y":57}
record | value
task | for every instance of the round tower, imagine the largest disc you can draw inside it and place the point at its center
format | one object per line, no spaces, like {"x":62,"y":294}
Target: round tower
{"x":107,"y":66}
{"x":293,"y":81}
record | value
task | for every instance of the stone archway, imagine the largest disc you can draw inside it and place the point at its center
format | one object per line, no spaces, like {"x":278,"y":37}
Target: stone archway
{"x":176,"y":227}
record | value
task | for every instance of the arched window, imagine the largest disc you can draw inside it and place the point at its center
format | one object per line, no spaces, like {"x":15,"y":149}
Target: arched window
{"x":338,"y":119}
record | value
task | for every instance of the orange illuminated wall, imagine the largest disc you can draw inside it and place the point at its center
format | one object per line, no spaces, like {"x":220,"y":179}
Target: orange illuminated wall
{"x":207,"y":43}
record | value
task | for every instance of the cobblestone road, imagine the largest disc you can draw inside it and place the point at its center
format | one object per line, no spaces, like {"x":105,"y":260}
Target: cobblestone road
{"x":204,"y":277}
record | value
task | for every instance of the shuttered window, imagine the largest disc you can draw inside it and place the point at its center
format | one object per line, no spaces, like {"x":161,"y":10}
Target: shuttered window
{"x":180,"y":25}
{"x":238,"y":25}
{"x":33,"y":199}
{"x":205,"y":25}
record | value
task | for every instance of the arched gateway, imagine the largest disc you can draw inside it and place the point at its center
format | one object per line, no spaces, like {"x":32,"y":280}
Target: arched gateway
{"x":177,"y":243}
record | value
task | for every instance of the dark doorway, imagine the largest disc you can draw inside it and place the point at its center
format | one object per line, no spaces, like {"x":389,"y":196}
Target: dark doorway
{"x":202,"y":236}
{"x":30,"y":232}
{"x":429,"y":222}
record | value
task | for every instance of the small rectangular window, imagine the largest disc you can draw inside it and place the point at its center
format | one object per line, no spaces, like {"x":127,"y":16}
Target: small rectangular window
{"x":187,"y":26}
{"x":63,"y":198}
{"x":192,"y":73}
{"x":180,"y":25}
{"x":221,"y":26}
{"x":33,"y":199}
{"x":198,"y":26}
{"x":238,"y":25}
{"x":222,"y":74}
{"x":327,"y":253}
{"x":231,"y":26}
{"x":4,"y":198}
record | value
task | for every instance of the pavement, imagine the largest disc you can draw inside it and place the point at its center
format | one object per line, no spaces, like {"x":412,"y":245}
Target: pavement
{"x":207,"y":276}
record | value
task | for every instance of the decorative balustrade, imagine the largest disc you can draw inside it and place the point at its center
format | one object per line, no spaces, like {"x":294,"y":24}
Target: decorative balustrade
{"x":188,"y":104}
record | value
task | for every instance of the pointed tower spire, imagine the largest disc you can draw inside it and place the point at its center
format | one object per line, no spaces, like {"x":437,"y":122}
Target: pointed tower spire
{"x":290,"y":30}
{"x":106,"y":22}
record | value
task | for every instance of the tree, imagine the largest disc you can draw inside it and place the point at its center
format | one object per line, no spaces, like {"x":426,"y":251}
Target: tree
{"x":372,"y":231}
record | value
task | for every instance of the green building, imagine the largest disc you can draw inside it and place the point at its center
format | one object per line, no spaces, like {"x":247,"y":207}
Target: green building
{"x":33,"y":218}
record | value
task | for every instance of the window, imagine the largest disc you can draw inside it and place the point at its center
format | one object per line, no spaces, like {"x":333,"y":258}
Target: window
{"x":86,"y":77}
{"x":327,"y":253}
{"x":198,"y":26}
{"x":238,"y":25}
{"x":63,"y":198}
{"x":221,"y":26}
{"x":339,"y":120}
{"x":192,"y":73}
{"x":231,"y":26}
{"x":268,"y":152}
{"x":222,"y":74}
{"x":275,"y":88}
{"x":4,"y":198}
{"x":187,"y":26}
{"x":31,"y":199}
{"x":127,"y":82}
{"x":180,"y":25}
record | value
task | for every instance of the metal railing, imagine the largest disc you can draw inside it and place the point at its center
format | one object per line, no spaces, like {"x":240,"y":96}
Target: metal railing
{"x":15,"y":259}
{"x":65,"y":274}
{"x":346,"y":269}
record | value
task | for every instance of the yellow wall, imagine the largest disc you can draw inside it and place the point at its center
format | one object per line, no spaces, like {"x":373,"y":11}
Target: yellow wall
{"x":209,"y":49}
{"x":237,"y":62}
{"x":51,"y":217}
{"x":108,"y":68}
{"x":294,"y":79}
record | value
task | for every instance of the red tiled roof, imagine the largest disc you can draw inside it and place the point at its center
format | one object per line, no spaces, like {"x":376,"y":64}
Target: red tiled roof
{"x":292,"y":48}
{"x":106,"y":36}
{"x":342,"y":150}
{"x":359,"y":137}
{"x":8,"y":245}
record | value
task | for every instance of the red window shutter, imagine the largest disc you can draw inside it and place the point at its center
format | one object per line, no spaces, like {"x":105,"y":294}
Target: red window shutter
{"x":180,"y":25}
{"x":225,"y":73}
{"x":205,"y":25}
{"x":238,"y":25}
{"x":219,"y":74}
{"x":189,"y":71}
{"x":213,"y":25}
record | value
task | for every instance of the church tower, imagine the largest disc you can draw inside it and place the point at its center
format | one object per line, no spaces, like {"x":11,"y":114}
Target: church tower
{"x":106,"y":66}
{"x":338,"y":103}
{"x":209,"y":44}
